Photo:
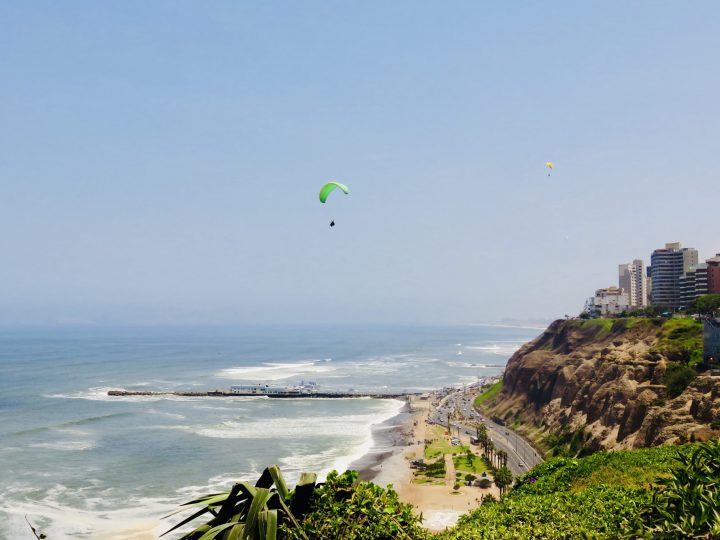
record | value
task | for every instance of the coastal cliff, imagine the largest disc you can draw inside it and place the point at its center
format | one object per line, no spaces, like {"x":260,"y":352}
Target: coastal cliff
{"x":583,"y":386}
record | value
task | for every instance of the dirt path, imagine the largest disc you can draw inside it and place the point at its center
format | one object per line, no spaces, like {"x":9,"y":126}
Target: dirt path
{"x":449,"y":471}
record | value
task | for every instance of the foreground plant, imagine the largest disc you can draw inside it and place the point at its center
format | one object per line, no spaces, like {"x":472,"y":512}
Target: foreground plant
{"x":340,"y":508}
{"x":251,"y":512}
{"x":687,"y":504}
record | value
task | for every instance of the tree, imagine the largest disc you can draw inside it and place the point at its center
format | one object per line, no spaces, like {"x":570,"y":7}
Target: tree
{"x":491,"y":453}
{"x":503,"y":479}
{"x":502,"y":458}
{"x":481,"y":429}
{"x":482,"y":436}
{"x":707,"y":304}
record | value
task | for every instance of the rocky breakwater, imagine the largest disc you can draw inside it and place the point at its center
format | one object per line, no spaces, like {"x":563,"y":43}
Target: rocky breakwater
{"x":583,"y":386}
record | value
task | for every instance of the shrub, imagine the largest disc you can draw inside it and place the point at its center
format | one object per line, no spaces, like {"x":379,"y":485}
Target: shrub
{"x":677,"y":377}
{"x":598,"y":513}
{"x":485,"y":483}
{"x":686,"y":505}
{"x":344,"y":508}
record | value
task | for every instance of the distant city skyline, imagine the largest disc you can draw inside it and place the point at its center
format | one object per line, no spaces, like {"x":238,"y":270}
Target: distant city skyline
{"x":161,"y":162}
{"x":674,"y":279}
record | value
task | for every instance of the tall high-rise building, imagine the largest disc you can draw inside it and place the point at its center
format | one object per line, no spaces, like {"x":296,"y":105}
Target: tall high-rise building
{"x":631,"y":278}
{"x":667,"y":265}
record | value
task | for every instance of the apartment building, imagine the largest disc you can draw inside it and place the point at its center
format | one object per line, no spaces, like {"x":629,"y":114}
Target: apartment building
{"x":667,"y":266}
{"x":632,"y":280}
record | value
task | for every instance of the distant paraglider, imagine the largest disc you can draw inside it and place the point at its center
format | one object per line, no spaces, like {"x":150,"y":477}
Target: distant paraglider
{"x":550,"y":166}
{"x":329,"y":188}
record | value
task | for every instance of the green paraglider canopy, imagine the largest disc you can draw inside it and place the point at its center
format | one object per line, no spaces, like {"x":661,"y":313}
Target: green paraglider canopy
{"x":330,"y":186}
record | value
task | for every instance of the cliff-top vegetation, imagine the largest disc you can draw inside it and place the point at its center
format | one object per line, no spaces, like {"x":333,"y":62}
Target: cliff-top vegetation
{"x":666,"y":492}
{"x":625,"y":494}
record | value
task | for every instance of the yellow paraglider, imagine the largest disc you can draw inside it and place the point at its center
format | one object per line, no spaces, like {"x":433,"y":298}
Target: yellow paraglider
{"x":550,"y":166}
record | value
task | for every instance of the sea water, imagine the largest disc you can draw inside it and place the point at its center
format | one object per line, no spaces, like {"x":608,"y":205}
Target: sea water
{"x":81,"y":464}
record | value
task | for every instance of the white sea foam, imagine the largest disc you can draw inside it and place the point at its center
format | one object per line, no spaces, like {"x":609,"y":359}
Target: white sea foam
{"x":137,"y":518}
{"x":275,"y":371}
{"x":340,"y":458}
{"x":473,"y":366}
{"x":65,"y":445}
{"x":167,"y":414}
{"x":100,"y":393}
{"x":288,"y":428}
{"x":500,"y":348}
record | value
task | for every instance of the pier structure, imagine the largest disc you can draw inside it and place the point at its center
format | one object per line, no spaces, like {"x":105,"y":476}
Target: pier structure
{"x":273,"y":395}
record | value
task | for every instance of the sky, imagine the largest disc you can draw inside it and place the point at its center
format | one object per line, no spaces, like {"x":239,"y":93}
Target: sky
{"x":160,"y":162}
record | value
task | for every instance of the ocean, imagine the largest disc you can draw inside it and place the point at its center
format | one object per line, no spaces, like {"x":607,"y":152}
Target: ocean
{"x":81,"y":464}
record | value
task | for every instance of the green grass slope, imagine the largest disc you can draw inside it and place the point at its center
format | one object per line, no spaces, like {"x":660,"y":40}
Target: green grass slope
{"x":488,"y":394}
{"x":590,"y":497}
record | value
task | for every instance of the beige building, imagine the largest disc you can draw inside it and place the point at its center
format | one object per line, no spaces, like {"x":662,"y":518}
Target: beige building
{"x":632,"y":279}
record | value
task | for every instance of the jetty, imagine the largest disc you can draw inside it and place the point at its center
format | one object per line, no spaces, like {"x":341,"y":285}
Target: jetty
{"x":273,"y":394}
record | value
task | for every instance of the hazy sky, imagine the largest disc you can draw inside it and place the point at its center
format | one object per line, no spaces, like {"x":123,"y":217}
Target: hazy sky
{"x":160,"y":161}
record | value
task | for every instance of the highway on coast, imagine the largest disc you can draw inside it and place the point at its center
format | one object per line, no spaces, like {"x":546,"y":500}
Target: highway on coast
{"x":521,"y":455}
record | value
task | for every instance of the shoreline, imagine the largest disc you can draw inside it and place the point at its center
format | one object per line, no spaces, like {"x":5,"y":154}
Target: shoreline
{"x":395,"y":443}
{"x":387,"y":437}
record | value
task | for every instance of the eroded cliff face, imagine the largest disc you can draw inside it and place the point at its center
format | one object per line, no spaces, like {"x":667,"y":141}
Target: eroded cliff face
{"x":602,"y":383}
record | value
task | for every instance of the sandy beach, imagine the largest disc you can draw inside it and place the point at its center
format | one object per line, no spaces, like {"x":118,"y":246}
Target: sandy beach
{"x":439,"y":505}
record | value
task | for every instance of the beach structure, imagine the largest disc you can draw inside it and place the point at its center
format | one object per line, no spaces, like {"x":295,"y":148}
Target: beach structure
{"x":255,"y":389}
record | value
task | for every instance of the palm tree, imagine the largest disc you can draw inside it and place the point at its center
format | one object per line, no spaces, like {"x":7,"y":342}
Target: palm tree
{"x":491,"y":452}
{"x":481,"y":430}
{"x":503,"y":479}
{"x":502,"y":458}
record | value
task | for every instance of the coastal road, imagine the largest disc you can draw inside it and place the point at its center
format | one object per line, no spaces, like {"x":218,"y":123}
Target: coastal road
{"x":521,"y":455}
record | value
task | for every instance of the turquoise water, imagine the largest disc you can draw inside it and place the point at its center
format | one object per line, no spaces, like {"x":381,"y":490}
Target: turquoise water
{"x":84,"y":465}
